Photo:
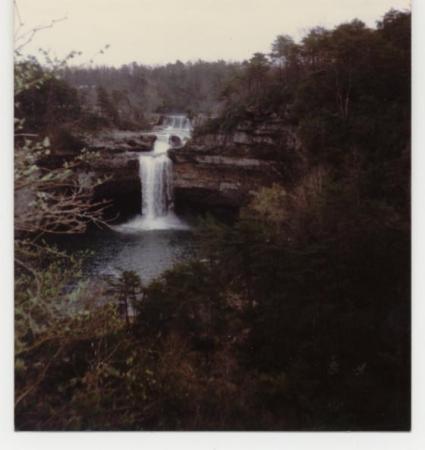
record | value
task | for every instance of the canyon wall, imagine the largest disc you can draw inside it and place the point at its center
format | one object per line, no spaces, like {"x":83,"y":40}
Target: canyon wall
{"x":211,"y":172}
{"x":218,"y":171}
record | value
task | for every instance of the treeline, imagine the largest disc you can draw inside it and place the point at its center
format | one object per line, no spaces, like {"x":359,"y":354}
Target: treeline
{"x":189,"y":88}
{"x":296,"y":316}
{"x":346,"y":91}
{"x":129,"y":97}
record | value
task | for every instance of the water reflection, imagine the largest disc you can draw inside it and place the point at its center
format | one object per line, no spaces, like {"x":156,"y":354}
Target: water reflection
{"x":147,"y":253}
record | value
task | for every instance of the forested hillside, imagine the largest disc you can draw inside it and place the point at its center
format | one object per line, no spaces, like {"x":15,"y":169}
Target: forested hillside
{"x":135,"y":90}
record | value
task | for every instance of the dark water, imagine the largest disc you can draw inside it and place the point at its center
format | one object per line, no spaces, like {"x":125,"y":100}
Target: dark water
{"x":148,"y":253}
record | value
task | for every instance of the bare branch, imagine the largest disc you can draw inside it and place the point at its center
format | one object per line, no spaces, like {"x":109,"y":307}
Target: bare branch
{"x":29,"y":35}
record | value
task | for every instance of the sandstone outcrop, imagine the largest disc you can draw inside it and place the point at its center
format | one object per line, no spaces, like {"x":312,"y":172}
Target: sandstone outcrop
{"x":121,"y":141}
{"x":218,"y":171}
{"x":118,"y":163}
{"x":211,"y":172}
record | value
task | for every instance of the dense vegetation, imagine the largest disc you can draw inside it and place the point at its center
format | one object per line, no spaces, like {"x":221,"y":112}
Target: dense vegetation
{"x":81,"y":99}
{"x":297,"y":316}
{"x":178,"y":87}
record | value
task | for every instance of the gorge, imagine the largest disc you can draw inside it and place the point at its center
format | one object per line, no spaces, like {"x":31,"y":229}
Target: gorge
{"x":160,"y":180}
{"x":217,"y":246}
{"x":153,"y":238}
{"x":213,"y":172}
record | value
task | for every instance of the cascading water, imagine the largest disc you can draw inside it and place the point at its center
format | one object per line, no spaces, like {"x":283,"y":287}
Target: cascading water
{"x":156,"y":176}
{"x":178,"y":122}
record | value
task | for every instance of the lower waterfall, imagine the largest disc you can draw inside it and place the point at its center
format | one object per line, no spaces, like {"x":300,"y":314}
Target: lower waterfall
{"x":156,"y":179}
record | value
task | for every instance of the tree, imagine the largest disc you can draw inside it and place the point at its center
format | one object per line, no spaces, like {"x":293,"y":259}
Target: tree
{"x":284,"y":52}
{"x":128,"y":290}
{"x":257,"y":69}
{"x":47,"y":201}
{"x":105,"y":105}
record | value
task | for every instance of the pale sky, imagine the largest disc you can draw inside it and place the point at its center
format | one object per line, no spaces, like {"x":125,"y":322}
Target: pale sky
{"x":161,"y":31}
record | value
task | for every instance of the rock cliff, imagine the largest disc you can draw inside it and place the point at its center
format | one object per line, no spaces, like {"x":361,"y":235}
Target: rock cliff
{"x":116,"y":141}
{"x":218,"y":171}
{"x":122,"y":186}
{"x":212,"y":172}
{"x":117,"y":162}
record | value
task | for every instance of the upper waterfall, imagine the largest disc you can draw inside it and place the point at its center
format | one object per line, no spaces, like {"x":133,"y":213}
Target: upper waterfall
{"x":178,"y":123}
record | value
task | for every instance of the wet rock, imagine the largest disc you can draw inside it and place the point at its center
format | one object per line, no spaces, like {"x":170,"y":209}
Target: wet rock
{"x":175,"y":141}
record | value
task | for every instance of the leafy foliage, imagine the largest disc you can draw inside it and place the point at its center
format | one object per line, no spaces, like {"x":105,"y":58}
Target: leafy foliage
{"x":47,"y":200}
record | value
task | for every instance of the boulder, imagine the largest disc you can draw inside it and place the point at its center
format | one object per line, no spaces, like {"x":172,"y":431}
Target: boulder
{"x":175,"y":141}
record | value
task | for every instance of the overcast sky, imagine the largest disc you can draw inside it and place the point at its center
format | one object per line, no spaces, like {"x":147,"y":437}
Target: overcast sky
{"x":161,"y":31}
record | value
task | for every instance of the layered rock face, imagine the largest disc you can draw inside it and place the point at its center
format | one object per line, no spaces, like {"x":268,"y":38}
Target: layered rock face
{"x":122,"y":186}
{"x":217,"y":171}
{"x":117,"y":163}
{"x":121,"y":141}
{"x":213,"y":172}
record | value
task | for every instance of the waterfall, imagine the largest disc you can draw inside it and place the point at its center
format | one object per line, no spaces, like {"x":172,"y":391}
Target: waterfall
{"x":178,"y":124}
{"x":156,"y":178}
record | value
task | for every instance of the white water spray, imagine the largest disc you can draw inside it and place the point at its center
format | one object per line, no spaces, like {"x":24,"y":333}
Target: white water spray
{"x":156,"y":178}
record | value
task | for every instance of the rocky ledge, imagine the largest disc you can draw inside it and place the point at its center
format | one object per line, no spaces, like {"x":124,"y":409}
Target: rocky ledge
{"x":218,"y":171}
{"x":212,"y":172}
{"x":118,"y":163}
{"x":115,"y":141}
{"x":122,"y":184}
